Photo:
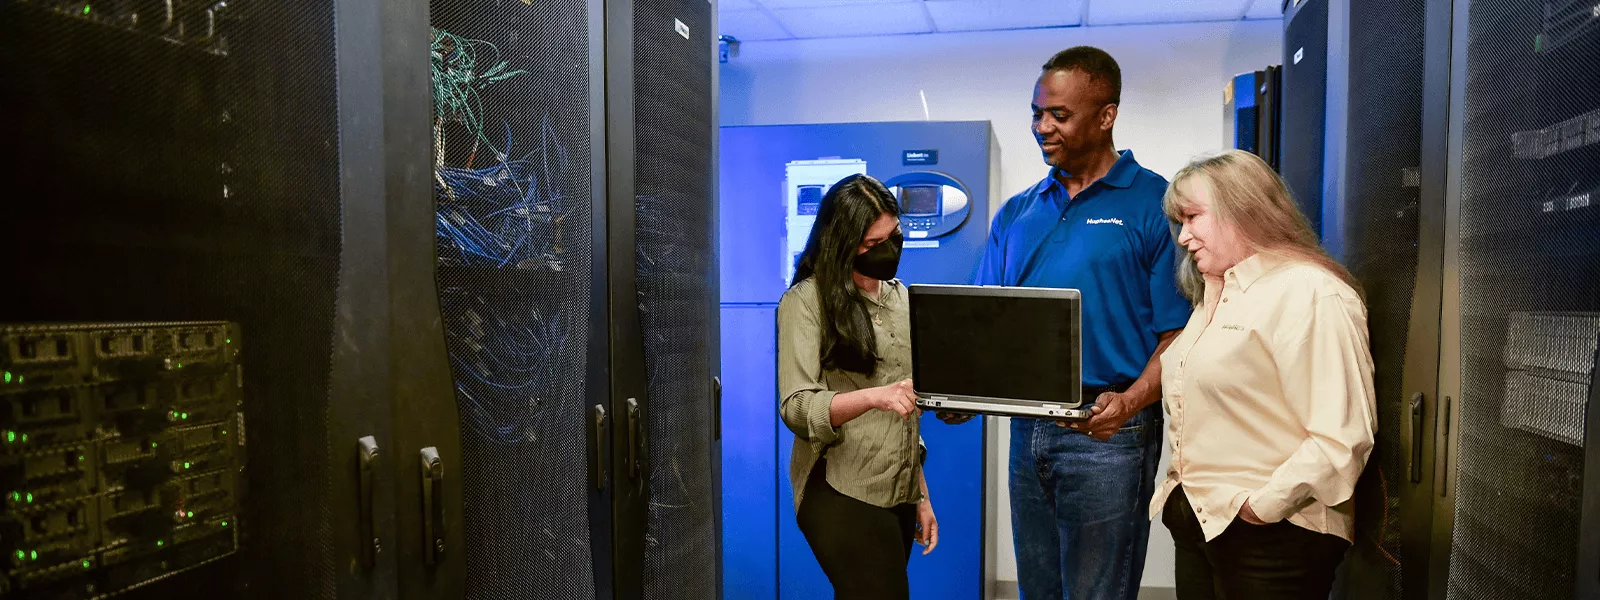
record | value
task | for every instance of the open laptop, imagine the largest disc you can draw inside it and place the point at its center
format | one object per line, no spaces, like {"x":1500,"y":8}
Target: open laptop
{"x":1010,"y":351}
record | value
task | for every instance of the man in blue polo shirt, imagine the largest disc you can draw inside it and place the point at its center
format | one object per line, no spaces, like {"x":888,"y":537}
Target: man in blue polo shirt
{"x":1080,"y":494}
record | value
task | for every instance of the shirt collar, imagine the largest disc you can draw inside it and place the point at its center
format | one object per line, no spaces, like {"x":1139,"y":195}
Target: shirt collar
{"x":1250,"y":270}
{"x":1120,"y":176}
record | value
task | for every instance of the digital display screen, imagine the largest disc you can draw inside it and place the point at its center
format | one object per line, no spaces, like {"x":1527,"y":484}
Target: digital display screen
{"x":919,"y":200}
{"x":810,"y":200}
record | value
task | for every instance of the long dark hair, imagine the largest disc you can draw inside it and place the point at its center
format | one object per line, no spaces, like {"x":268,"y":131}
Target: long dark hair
{"x":849,"y":208}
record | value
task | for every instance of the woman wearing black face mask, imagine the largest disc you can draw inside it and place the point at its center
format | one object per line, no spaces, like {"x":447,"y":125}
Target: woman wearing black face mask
{"x":843,"y":357}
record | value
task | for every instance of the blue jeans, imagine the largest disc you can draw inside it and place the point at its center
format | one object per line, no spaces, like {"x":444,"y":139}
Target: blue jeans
{"x":1080,"y":507}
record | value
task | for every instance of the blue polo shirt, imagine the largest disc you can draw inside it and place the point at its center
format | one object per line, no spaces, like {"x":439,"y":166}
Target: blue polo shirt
{"x":1112,"y":243}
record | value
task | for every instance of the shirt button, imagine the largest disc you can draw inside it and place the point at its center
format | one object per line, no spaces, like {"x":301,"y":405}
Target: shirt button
{"x":1224,"y":300}
{"x":1203,"y":521}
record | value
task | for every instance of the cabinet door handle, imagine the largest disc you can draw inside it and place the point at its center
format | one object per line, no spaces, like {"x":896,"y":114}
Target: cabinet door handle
{"x":716,"y":408}
{"x":432,"y":505}
{"x":1416,"y":437}
{"x":600,"y":428}
{"x":1441,"y":476}
{"x":634,"y":438}
{"x":367,"y":458}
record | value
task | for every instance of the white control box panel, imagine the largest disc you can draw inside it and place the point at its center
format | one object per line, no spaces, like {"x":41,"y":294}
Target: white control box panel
{"x":805,"y":183}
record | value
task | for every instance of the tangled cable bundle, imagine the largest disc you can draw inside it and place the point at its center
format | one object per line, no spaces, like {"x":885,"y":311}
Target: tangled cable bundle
{"x":504,"y":214}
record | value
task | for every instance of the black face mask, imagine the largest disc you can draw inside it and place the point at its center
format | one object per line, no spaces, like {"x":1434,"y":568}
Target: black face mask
{"x":883,"y":260}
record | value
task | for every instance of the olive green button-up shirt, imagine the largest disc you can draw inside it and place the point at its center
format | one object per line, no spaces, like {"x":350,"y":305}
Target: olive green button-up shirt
{"x":874,"y":458}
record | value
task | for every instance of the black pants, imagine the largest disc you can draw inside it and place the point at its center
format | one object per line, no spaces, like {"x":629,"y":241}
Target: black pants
{"x":862,"y":548}
{"x":1250,"y":562}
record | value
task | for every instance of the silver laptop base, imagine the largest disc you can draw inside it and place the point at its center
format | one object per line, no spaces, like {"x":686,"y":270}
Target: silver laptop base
{"x":1005,"y":410}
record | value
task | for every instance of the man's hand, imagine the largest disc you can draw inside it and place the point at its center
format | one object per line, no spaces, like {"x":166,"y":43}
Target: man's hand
{"x":1111,"y":410}
{"x":951,"y":418}
{"x":1249,"y":515}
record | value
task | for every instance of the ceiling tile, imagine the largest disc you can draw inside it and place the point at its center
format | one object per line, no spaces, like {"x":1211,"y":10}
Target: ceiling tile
{"x":749,"y":25}
{"x":855,"y":20}
{"x":1119,"y":12}
{"x":723,"y":5}
{"x":982,"y":15}
{"x":777,"y":4}
{"x":1265,"y":9}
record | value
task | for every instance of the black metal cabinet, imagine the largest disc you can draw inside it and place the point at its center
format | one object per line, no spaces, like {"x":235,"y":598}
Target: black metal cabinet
{"x":1464,"y":205}
{"x":470,"y":244}
{"x":1382,"y":216}
{"x":1521,"y":303}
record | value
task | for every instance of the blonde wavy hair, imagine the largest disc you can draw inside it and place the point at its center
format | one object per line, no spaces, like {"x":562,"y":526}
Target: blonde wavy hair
{"x":1249,"y":197}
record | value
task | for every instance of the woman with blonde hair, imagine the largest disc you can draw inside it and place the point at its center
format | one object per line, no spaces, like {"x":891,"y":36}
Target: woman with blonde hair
{"x":1268,"y":391}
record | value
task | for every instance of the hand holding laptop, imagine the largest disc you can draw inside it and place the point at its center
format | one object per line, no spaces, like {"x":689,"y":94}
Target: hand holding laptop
{"x":951,"y":418}
{"x":897,"y":397}
{"x":1111,"y":410}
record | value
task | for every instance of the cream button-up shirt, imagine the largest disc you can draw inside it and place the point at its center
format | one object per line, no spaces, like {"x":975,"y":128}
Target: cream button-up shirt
{"x":1271,"y":400}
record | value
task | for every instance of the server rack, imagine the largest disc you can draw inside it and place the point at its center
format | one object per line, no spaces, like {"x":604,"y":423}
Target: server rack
{"x":1380,"y":220}
{"x":1520,"y":292}
{"x":439,"y":413}
{"x":1460,"y":188}
{"x":1251,"y":116}
{"x":1308,"y":27}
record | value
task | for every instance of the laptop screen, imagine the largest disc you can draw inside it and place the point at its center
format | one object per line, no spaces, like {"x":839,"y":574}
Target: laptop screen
{"x":992,"y":342}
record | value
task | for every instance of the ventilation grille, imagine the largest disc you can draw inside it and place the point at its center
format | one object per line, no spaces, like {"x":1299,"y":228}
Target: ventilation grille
{"x":512,"y":175}
{"x":676,"y":236}
{"x":1524,"y":249}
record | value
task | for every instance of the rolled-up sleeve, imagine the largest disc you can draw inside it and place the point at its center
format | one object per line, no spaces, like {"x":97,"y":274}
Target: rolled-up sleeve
{"x":804,"y":402}
{"x":1328,"y":364}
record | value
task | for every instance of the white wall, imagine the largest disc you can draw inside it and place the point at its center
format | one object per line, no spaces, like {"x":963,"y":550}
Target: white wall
{"x":1172,"y":80}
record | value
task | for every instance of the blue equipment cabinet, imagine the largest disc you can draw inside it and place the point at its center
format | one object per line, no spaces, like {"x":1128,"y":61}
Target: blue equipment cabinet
{"x":946,"y":176}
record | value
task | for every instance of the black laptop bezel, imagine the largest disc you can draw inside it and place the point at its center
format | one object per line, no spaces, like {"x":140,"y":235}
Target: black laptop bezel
{"x":1074,"y":302}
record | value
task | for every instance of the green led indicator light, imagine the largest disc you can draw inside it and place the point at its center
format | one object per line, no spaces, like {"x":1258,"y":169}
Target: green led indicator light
{"x":180,"y":365}
{"x":81,"y":458}
{"x":30,"y":497}
{"x":22,"y":555}
{"x":86,"y":9}
{"x":24,"y":437}
{"x":34,"y":555}
{"x":86,"y":564}
{"x":224,"y":432}
{"x":185,"y":465}
{"x":160,"y":543}
{"x":153,"y":444}
{"x":228,"y":341}
{"x":8,"y":376}
{"x":185,"y":416}
{"x":11,"y":437}
{"x":224,"y":523}
{"x":21,"y":377}
{"x":16,"y":496}
{"x":191,"y":514}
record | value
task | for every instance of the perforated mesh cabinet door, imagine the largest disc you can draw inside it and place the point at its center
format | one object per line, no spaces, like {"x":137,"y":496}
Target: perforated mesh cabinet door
{"x":675,"y":236}
{"x":1529,"y":261}
{"x":514,"y":182}
{"x":182,"y":169}
{"x":1380,"y":248}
